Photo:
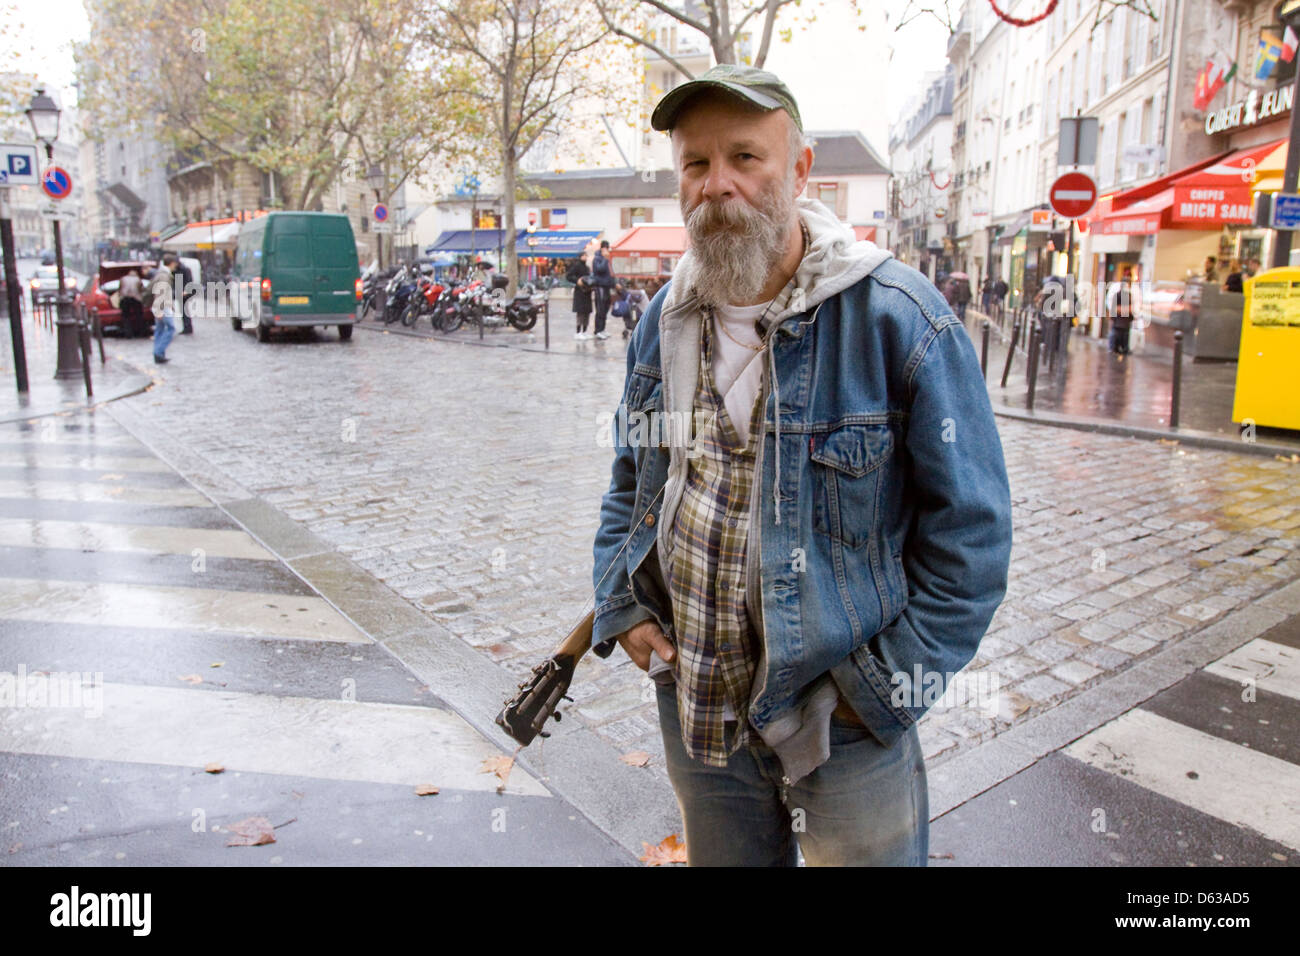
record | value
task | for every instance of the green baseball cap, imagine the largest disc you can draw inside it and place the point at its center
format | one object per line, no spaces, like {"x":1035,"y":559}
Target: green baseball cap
{"x":762,"y":89}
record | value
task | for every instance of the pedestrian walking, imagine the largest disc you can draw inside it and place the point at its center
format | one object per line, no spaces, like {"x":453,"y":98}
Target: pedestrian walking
{"x":986,"y":295}
{"x":1000,"y":290}
{"x":961,"y":294}
{"x":778,"y":596}
{"x":188,"y":292}
{"x":129,"y":302}
{"x":164,"y":310}
{"x":602,"y":277}
{"x":580,"y":275}
{"x":1119,"y":308}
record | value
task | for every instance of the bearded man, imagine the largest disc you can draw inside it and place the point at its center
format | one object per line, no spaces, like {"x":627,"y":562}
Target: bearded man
{"x":804,"y":572}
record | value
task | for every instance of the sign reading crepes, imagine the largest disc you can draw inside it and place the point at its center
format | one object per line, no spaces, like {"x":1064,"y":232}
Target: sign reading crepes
{"x":1214,"y":205}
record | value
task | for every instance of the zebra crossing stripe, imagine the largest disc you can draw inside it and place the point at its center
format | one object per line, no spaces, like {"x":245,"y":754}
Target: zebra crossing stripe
{"x":151,"y":539}
{"x":248,"y":613}
{"x":260,"y":733}
{"x":1266,"y":664}
{"x":1239,"y":786}
{"x":103,"y":490}
{"x":55,"y":456}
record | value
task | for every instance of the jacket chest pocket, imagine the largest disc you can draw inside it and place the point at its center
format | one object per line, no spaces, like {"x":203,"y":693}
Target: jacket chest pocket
{"x":847,"y":471}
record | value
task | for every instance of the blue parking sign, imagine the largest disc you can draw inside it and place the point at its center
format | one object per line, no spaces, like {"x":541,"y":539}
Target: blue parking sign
{"x":1286,"y":211}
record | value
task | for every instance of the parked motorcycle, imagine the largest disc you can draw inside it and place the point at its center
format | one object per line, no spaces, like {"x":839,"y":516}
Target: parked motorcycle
{"x":399,"y":290}
{"x":424,"y":301}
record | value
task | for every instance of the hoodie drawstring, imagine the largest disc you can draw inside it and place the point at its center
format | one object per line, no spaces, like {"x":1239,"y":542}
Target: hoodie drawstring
{"x":776,"y":397}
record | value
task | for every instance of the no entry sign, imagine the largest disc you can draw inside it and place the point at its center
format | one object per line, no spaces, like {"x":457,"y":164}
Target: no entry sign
{"x":1073,"y":194}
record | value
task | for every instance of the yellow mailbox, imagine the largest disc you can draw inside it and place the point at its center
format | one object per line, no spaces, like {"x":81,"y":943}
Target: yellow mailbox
{"x":1268,"y":363}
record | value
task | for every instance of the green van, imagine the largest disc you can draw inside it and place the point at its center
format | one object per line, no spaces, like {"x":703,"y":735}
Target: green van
{"x":296,"y":269}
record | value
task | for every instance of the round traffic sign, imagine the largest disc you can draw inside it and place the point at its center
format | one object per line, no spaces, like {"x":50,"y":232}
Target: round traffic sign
{"x":1073,"y":194}
{"x":56,"y":182}
{"x":380,"y":212}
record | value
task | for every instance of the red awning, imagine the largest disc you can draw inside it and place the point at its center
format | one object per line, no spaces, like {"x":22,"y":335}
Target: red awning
{"x":865,"y":232}
{"x":651,"y":241}
{"x":1206,"y":195}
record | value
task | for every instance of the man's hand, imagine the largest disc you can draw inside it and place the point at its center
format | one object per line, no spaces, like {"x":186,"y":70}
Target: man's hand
{"x":640,"y":640}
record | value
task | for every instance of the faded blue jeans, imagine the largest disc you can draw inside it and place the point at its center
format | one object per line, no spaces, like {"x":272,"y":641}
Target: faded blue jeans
{"x":865,"y":806}
{"x":164,"y":329}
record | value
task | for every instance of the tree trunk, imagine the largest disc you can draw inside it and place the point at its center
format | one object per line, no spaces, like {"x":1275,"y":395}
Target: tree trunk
{"x":509,"y":174}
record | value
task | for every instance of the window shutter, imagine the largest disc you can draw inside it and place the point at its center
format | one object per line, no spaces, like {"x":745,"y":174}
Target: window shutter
{"x":625,"y":218}
{"x":842,"y":200}
{"x":546,"y":219}
{"x":649,"y":210}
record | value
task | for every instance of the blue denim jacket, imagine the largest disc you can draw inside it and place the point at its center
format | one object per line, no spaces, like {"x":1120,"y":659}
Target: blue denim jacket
{"x":880,"y":534}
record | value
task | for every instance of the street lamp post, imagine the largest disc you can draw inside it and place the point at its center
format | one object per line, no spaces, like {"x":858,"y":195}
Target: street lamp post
{"x":375,"y":177}
{"x":43,"y":114}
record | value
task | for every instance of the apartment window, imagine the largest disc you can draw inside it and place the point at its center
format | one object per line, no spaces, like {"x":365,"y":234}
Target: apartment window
{"x":630,"y":216}
{"x":834,"y":196}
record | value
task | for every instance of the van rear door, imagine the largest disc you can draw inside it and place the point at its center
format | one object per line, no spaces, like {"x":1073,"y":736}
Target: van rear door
{"x":290,"y":270}
{"x":334,"y":257}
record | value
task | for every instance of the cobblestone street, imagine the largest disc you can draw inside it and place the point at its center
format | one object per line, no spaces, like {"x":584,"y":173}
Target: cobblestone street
{"x":469,"y":479}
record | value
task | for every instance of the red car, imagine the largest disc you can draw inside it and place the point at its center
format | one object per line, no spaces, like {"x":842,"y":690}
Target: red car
{"x":100,"y":293}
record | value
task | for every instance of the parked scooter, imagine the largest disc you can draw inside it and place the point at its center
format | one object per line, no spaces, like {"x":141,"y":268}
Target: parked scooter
{"x":399,"y":290}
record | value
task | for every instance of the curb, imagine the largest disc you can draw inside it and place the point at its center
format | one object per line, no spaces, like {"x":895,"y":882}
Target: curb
{"x":1182,"y":436}
{"x":136,"y":383}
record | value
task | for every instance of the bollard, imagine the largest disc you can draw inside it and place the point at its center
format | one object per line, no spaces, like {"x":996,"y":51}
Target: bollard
{"x":68,"y":331}
{"x":1011,"y":350}
{"x":1176,"y":398}
{"x":83,"y":340}
{"x":984,"y":350}
{"x":1032,"y":371}
{"x":546,"y":319}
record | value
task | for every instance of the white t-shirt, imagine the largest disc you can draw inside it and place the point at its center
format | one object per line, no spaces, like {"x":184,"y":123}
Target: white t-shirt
{"x":737,"y":370}
{"x":738,"y":375}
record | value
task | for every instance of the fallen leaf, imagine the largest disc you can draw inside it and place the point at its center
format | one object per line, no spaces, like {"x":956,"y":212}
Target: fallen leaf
{"x":671,"y":850}
{"x":191,"y":678}
{"x":218,"y":664}
{"x":501,"y":766}
{"x":15,"y":848}
{"x":425,"y":790}
{"x":254,"y":831}
{"x":214,"y":767}
{"x":635,"y":758}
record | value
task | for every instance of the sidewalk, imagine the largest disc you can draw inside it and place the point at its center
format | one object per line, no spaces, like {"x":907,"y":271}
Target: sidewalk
{"x":1132,"y":393}
{"x":111,"y":380}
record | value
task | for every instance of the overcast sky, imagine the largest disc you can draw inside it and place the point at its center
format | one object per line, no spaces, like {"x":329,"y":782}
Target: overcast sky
{"x":837,"y":72}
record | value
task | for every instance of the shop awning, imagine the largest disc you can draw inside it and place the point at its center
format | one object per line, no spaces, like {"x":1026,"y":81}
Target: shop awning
{"x":210,"y":234}
{"x":469,"y":241}
{"x":651,"y":240}
{"x":1207,"y":195}
{"x":1270,"y":171}
{"x":557,"y":243}
{"x":865,"y":232}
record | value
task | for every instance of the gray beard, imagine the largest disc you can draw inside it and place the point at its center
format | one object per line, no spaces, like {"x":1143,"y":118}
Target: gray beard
{"x":737,"y":246}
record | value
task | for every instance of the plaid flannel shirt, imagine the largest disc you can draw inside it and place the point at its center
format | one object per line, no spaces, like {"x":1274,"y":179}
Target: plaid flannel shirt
{"x":716,"y":648}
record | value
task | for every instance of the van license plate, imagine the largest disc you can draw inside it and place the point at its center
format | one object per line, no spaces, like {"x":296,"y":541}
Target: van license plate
{"x":294,"y":299}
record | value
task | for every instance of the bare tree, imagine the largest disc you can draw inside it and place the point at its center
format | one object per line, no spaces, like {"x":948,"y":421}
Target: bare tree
{"x":518,"y":65}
